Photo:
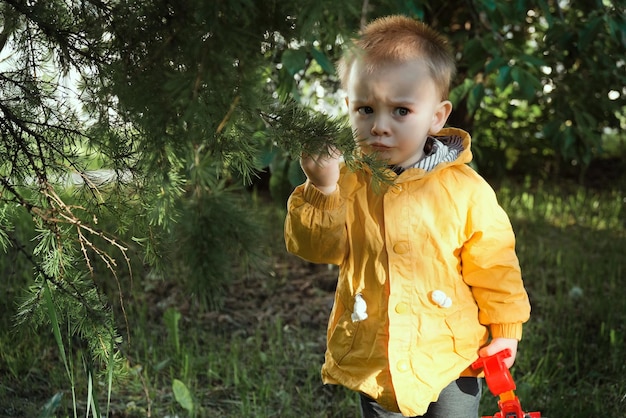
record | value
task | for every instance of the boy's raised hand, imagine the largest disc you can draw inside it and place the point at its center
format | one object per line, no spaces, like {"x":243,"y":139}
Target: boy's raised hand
{"x":499,"y":344}
{"x":322,"y":170}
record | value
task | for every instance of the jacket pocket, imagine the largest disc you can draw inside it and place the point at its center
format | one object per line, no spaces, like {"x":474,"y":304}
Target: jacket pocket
{"x":342,"y":337}
{"x":467,"y":333}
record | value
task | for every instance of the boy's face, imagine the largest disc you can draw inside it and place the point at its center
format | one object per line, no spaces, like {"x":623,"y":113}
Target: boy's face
{"x":394,"y":108}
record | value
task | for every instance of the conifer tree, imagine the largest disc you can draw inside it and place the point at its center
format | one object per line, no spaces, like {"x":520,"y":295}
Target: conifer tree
{"x":128,"y":129}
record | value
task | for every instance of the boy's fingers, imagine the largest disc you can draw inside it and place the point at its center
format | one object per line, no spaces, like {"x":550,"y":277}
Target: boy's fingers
{"x":332,"y":152}
{"x":498,"y":345}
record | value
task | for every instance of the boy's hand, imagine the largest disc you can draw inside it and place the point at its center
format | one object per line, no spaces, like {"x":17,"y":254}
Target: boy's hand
{"x":322,"y":170}
{"x":499,"y":344}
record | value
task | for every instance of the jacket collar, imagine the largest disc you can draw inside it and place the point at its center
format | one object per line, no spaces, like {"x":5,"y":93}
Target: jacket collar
{"x":452,"y":147}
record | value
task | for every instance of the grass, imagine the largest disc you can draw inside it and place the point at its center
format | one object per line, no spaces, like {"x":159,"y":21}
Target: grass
{"x":258,"y":361}
{"x":571,"y":246}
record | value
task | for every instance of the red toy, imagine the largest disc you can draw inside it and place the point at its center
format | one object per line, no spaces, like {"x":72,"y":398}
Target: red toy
{"x":501,"y":384}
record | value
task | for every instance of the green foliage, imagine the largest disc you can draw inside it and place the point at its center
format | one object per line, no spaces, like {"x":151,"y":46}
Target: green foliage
{"x":48,"y":410}
{"x":538,"y":78}
{"x":183,"y":396}
{"x":570,"y":244}
{"x":216,"y":236}
{"x":137,"y":174}
{"x":171,"y":319}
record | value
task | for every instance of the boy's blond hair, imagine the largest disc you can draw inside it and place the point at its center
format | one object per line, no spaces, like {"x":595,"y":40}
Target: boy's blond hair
{"x":397,"y":39}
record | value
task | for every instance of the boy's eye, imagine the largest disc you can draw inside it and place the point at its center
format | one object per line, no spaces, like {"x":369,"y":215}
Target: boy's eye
{"x":365,"y":110}
{"x":401,"y":111}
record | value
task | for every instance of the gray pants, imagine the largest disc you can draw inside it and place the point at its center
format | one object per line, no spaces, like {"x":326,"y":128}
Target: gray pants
{"x":460,"y":399}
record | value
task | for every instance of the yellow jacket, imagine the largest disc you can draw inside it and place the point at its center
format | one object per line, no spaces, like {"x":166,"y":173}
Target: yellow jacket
{"x":427,"y":271}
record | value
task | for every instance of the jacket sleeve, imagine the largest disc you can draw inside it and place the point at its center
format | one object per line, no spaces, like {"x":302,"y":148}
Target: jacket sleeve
{"x":315,"y":226}
{"x":491,"y":267}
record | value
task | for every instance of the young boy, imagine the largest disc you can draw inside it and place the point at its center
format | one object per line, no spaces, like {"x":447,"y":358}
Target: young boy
{"x":428,"y":270}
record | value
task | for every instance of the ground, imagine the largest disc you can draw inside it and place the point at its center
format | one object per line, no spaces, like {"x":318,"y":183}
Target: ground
{"x":298,"y":293}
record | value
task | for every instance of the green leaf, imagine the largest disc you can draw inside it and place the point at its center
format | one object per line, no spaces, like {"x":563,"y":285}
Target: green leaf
{"x":551,"y":129}
{"x":295,"y":175}
{"x":182,"y":395}
{"x":495,"y":63}
{"x":92,"y":401}
{"x":294,"y":60}
{"x":585,"y":129}
{"x":489,"y":4}
{"x":520,"y":7}
{"x":568,"y":141}
{"x":499,"y":113}
{"x":475,"y":54}
{"x":412,"y":8}
{"x":286,"y":85}
{"x":51,"y":406}
{"x":110,"y":367}
{"x":278,"y":165}
{"x":56,"y":329}
{"x":507,"y":10}
{"x":323,"y":61}
{"x":617,"y":27}
{"x":266,"y":154}
{"x":532,"y":59}
{"x":475,"y":97}
{"x":473,"y":49}
{"x":458,"y":93}
{"x":546,"y":12}
{"x":504,"y":77}
{"x":588,"y":33}
{"x":527,"y":83}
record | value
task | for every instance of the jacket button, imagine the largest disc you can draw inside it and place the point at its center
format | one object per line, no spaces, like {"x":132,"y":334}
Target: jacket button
{"x":441,"y":299}
{"x":401,"y":247}
{"x":402,"y":366}
{"x":402,"y":308}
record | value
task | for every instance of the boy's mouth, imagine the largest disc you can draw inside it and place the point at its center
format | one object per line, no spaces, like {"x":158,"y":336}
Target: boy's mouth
{"x":379,"y":147}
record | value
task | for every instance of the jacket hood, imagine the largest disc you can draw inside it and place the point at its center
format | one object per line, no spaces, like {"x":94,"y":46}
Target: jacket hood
{"x":452,"y":147}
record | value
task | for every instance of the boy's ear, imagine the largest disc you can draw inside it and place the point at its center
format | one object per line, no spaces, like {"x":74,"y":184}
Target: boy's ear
{"x":440,"y":116}
{"x":347,"y":101}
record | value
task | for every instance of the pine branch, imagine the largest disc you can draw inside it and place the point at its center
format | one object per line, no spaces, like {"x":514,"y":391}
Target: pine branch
{"x":66,"y":214}
{"x":60,"y":213}
{"x":62,"y":286}
{"x":298,"y":131}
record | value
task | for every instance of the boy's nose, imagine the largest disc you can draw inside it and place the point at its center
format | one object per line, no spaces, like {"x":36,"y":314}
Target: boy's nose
{"x":380,"y":127}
